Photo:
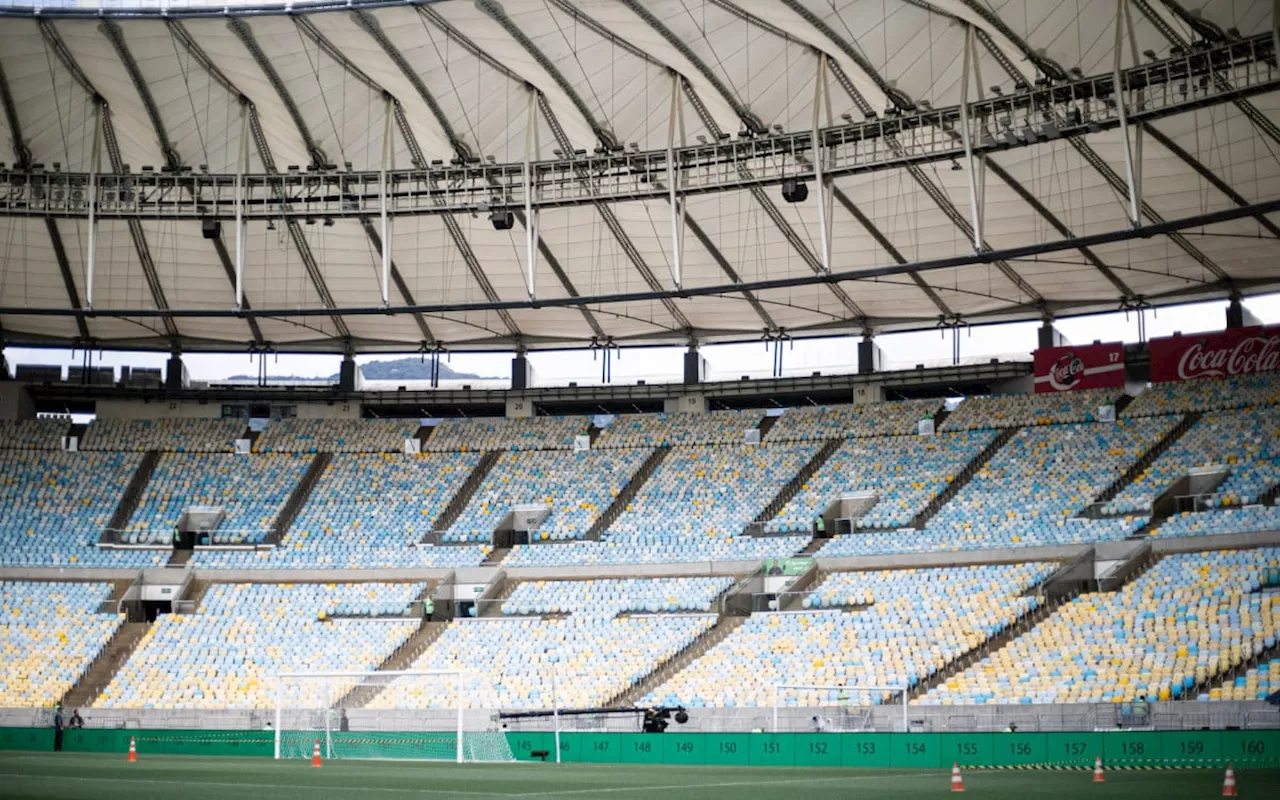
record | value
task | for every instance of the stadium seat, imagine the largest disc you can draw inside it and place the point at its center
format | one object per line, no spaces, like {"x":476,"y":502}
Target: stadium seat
{"x":52,"y":633}
{"x":335,"y":435}
{"x":907,"y":625}
{"x":1186,"y":620}
{"x":813,"y":423}
{"x":1019,"y":410}
{"x":226,"y":656}
{"x":165,"y":435}
{"x":500,"y":433}
{"x":34,"y":434}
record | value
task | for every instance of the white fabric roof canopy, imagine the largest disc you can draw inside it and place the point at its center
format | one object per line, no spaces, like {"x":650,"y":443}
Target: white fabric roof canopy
{"x":461,"y":73}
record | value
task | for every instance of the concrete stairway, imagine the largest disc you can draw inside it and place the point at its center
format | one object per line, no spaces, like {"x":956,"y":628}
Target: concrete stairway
{"x":972,"y":468}
{"x":1140,"y":466}
{"x":116,"y":651}
{"x":724,"y":626}
{"x":402,"y":658}
{"x":465,"y":492}
{"x":132,"y":495}
{"x":793,"y":486}
{"x":298,"y":498}
{"x":628,"y":493}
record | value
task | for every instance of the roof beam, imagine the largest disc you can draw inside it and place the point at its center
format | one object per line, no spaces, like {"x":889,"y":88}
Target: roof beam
{"x":244,"y":33}
{"x":1206,"y":173}
{"x":23,"y":154}
{"x":402,"y":286}
{"x":935,"y":193}
{"x":898,"y":97}
{"x":1090,"y":155}
{"x":370,"y":25}
{"x":607,"y":140}
{"x":20,"y":149}
{"x":1117,"y":183}
{"x":64,"y":267}
{"x":1030,"y":199}
{"x":707,"y":120}
{"x":1114,"y":236}
{"x":411,"y":141}
{"x":173,"y":160}
{"x":53,"y":40}
{"x":836,"y":192}
{"x":753,"y":123}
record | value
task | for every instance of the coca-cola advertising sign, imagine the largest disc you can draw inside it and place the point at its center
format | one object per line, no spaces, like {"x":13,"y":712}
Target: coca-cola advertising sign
{"x":1242,"y":351}
{"x":1067,"y":369}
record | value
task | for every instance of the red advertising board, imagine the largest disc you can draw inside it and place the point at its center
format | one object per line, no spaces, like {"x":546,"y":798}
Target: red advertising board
{"x":1067,"y":369}
{"x":1242,"y":351}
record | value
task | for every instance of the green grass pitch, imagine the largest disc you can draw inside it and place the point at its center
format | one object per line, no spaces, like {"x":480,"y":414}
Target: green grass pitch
{"x":101,"y":777}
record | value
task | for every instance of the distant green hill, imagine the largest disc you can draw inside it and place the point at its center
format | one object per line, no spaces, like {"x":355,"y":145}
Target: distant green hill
{"x":401,"y":369}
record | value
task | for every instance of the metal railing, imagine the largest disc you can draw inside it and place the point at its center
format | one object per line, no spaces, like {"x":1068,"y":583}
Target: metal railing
{"x":1182,"y":82}
{"x":1163,"y":716}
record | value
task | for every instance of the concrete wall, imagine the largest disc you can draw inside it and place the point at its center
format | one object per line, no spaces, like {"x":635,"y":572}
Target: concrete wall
{"x":15,"y":402}
{"x":519,"y":407}
{"x":160,"y":409}
{"x":693,"y":402}
{"x":333,"y":410}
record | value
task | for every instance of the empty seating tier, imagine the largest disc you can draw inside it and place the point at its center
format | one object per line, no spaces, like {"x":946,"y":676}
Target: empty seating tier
{"x":1208,"y":394}
{"x":509,"y":662}
{"x":694,"y":507}
{"x":812,"y":423}
{"x":1018,"y":410}
{"x":227,"y":655}
{"x":1244,"y":443}
{"x":576,"y":488}
{"x":915,"y":622}
{"x":368,"y":511}
{"x":498,"y":433}
{"x":1249,"y":519}
{"x":609,"y":597}
{"x":52,"y":633}
{"x":1257,"y":683}
{"x":904,"y":472}
{"x":336,"y":435}
{"x":1029,"y":493}
{"x":1189,"y":618}
{"x":56,"y":506}
{"x":659,"y":430}
{"x":251,"y":490}
{"x":167,"y":435}
{"x":33,"y":434}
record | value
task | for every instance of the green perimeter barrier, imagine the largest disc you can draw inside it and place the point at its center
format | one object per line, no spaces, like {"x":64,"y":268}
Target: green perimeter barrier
{"x":1133,"y":749}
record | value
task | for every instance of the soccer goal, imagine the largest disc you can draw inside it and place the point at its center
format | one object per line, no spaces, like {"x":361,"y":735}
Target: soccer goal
{"x":832,"y":707}
{"x":434,"y":723}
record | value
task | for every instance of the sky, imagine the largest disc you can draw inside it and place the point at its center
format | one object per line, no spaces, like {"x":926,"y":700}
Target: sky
{"x":725,"y":362}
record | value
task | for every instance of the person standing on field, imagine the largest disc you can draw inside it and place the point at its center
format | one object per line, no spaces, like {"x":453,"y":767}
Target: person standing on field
{"x":57,"y":728}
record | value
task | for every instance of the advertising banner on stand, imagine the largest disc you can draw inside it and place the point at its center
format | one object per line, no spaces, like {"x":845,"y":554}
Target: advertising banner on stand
{"x":1242,"y":351}
{"x":1068,"y":369}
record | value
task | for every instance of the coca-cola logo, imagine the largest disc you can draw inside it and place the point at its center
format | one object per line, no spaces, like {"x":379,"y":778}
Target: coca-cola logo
{"x":1066,"y":372}
{"x":1249,"y":355}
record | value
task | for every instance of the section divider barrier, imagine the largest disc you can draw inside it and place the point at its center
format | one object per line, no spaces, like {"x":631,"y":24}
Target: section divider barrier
{"x":1136,"y":750}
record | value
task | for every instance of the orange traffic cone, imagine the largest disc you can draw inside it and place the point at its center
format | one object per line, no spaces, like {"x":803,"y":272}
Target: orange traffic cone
{"x":1098,"y":777}
{"x":315,"y":755}
{"x":133,"y":751}
{"x":1229,"y":783}
{"x":957,"y":782}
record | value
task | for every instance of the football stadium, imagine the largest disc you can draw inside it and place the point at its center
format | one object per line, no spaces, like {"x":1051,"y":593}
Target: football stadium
{"x":924,"y":435}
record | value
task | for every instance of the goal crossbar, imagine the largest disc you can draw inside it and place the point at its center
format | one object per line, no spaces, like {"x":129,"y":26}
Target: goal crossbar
{"x":860,"y":688}
{"x":388,"y":675}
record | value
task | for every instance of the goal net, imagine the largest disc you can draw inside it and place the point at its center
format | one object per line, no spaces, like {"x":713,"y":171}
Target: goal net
{"x":838,"y":708}
{"x":330,"y":710}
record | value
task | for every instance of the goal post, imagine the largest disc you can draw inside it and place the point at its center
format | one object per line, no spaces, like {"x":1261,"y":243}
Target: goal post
{"x":328,"y":709}
{"x":832,"y":702}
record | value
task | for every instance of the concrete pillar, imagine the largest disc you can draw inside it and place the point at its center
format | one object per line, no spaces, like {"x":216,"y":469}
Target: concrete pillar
{"x":347,"y":374}
{"x":695,"y":366}
{"x":870,"y":356}
{"x":5,"y":374}
{"x":521,"y":372}
{"x":1048,"y":336}
{"x":175,"y":376}
{"x":1240,"y":317}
